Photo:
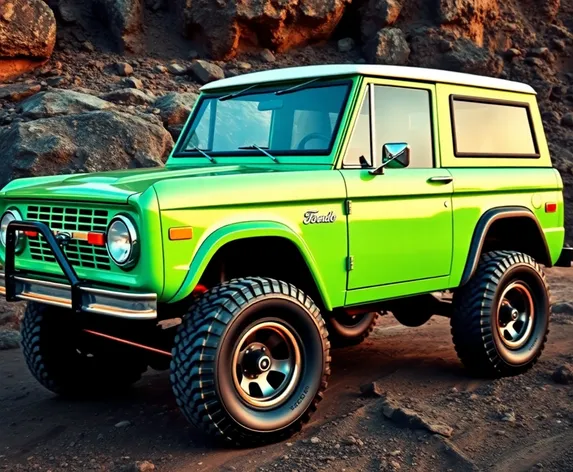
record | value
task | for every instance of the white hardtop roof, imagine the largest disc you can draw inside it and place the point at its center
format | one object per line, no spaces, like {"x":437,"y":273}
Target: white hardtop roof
{"x":393,"y":72}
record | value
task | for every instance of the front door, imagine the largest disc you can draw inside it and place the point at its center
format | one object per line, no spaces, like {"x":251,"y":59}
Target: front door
{"x":400,"y":223}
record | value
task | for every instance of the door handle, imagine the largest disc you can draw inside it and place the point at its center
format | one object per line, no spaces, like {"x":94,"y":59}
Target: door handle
{"x":444,"y":179}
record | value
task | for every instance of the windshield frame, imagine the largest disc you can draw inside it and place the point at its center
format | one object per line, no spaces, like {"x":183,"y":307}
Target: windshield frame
{"x":179,"y":153}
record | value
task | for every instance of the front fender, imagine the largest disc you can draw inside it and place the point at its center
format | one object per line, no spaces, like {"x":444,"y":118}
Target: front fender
{"x":244,"y":230}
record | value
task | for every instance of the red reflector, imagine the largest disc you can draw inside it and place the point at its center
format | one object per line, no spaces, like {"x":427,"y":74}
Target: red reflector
{"x":97,"y":239}
{"x":550,"y":207}
{"x":31,"y":234}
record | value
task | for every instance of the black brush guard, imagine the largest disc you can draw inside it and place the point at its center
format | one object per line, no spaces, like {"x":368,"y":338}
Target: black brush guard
{"x":78,"y":295}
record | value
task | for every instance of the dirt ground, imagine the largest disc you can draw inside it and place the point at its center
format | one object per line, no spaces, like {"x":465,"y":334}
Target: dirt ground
{"x":517,"y":424}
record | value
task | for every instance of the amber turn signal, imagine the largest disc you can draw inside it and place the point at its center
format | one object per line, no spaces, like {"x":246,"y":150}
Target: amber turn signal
{"x":179,"y":234}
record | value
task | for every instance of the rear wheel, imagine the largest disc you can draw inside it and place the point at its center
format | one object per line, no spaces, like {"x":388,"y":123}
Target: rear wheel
{"x":345,"y":329}
{"x":60,"y":358}
{"x":250,"y":361}
{"x":501,"y":317}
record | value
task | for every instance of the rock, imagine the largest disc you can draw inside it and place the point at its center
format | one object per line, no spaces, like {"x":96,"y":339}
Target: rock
{"x":550,"y":8}
{"x":371,"y":390}
{"x":388,"y":47}
{"x":131,"y":82}
{"x":539,"y":52}
{"x":61,"y":102}
{"x":87,"y":46}
{"x":176,"y":69}
{"x":160,"y":69}
{"x":129,"y":96}
{"x":124,"y":69}
{"x":408,"y":418}
{"x":564,"y":308}
{"x":123,"y":424}
{"x":225,"y":26}
{"x":567,"y":120}
{"x":54,"y":81}
{"x":88,"y":142}
{"x":535,"y":61}
{"x":509,"y":417}
{"x":9,"y":339}
{"x":459,"y":11}
{"x":350,"y":441}
{"x":513,"y":52}
{"x":206,"y":72}
{"x":27,"y":36}
{"x":17,"y":92}
{"x":66,"y":12}
{"x":378,"y":14}
{"x":244,"y":65}
{"x":267,"y":56}
{"x":125,"y":20}
{"x":559,"y":44}
{"x":346,"y":45}
{"x":174,"y":108}
{"x":563,"y":374}
{"x":143,"y":466}
{"x":314,"y":440}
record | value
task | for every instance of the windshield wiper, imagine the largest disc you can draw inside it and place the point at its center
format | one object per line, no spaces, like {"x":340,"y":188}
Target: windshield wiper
{"x":236,"y":94}
{"x":263,"y":150}
{"x":296,"y":87}
{"x":200,"y":151}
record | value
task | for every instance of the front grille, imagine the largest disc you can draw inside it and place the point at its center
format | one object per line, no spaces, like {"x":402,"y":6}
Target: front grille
{"x":79,"y":253}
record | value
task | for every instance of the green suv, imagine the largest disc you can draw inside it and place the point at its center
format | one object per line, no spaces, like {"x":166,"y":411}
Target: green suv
{"x":296,"y":206}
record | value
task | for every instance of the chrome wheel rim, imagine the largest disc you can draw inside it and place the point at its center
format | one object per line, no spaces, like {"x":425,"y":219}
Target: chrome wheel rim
{"x":266,"y":364}
{"x":516,"y":315}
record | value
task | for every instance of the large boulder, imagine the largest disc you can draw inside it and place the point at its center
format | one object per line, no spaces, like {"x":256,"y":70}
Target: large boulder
{"x":61,"y":102}
{"x":174,"y":108}
{"x":27,"y":36}
{"x":125,"y":20}
{"x":89,"y":142}
{"x":389,"y":46}
{"x":225,"y":26}
{"x":433,"y":50}
{"x":378,"y":14}
{"x":451,"y":11}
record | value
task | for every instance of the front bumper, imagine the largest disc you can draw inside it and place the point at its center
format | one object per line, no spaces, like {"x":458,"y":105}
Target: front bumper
{"x":76,"y":295}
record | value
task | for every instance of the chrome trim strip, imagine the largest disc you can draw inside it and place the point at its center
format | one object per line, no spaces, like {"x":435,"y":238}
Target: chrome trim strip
{"x":43,"y":283}
{"x":123,"y":295}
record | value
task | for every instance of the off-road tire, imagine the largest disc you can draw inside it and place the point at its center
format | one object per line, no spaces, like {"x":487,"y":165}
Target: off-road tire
{"x":50,"y":342}
{"x":474,"y":322}
{"x":200,"y":374}
{"x":343,"y":334}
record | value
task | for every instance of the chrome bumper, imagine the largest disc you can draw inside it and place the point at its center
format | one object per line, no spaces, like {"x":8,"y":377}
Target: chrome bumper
{"x":134,"y":306}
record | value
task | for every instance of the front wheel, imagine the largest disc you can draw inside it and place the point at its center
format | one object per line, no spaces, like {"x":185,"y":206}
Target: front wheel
{"x":250,"y":361}
{"x":501,"y":317}
{"x":63,"y":360}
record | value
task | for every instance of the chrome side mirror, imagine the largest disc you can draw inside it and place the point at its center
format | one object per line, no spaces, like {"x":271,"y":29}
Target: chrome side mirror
{"x":397,"y":154}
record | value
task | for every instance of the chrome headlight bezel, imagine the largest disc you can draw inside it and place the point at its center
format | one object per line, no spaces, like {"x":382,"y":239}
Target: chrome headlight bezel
{"x":129,"y":258}
{"x":16,"y":216}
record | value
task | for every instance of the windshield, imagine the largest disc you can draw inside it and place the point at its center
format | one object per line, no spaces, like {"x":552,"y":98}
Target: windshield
{"x":303,"y":121}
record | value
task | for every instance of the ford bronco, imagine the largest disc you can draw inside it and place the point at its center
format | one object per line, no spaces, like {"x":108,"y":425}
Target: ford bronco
{"x":296,"y":206}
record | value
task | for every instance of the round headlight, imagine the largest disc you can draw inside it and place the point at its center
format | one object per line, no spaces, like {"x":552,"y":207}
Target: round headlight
{"x":121,"y":241}
{"x":7,"y":218}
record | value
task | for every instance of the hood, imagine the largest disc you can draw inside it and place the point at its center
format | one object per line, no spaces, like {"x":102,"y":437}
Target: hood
{"x":114,"y":186}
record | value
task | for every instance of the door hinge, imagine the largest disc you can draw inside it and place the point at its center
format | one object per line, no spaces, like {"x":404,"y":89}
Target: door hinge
{"x":348,"y":207}
{"x":349,"y":263}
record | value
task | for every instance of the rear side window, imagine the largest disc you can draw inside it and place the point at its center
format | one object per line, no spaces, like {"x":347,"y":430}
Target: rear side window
{"x":492,"y":129}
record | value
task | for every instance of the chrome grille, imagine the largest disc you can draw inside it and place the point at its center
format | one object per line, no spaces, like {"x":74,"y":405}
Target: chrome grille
{"x":79,"y":253}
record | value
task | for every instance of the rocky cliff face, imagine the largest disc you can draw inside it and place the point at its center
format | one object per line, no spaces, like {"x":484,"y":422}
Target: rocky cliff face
{"x":139,"y":63}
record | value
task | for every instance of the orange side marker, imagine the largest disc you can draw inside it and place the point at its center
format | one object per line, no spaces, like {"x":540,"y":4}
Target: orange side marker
{"x":179,"y":234}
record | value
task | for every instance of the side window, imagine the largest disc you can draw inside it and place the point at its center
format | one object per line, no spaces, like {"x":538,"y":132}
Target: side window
{"x":359,"y":149}
{"x":486,"y":129}
{"x":403,"y":115}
